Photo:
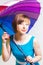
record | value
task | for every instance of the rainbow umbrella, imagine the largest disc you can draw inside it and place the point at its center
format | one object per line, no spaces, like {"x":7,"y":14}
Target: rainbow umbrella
{"x":31,"y":8}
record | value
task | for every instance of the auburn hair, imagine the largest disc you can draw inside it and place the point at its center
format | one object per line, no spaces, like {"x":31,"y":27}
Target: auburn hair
{"x":19,"y":18}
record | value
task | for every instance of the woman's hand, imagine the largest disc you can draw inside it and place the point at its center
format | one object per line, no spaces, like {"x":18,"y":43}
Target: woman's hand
{"x":29,"y":59}
{"x":6,"y":51}
{"x":5,"y":37}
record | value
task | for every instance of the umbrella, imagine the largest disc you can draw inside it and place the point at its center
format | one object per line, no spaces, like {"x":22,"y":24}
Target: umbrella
{"x":31,"y":8}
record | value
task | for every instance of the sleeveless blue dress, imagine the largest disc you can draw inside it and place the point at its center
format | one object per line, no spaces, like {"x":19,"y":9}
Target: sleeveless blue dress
{"x":26,"y":48}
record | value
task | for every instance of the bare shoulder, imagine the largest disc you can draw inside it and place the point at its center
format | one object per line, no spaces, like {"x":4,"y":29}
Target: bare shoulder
{"x":29,"y":36}
{"x":36,"y":46}
{"x":35,"y":42}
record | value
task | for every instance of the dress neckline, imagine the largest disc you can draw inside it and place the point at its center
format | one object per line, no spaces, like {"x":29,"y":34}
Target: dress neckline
{"x":18,"y":43}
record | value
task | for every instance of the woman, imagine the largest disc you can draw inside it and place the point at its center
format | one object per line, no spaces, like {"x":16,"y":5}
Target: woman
{"x":26,"y":42}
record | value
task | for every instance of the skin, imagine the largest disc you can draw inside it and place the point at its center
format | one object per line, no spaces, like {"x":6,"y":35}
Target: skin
{"x":20,"y":36}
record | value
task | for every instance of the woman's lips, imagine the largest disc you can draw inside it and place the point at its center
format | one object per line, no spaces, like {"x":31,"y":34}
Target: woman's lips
{"x":23,"y":30}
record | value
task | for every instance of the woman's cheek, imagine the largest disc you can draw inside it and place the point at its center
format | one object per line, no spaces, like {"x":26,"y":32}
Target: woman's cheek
{"x":19,"y":27}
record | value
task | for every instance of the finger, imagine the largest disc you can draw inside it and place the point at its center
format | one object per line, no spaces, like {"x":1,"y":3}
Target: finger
{"x":29,"y":59}
{"x":5,"y":32}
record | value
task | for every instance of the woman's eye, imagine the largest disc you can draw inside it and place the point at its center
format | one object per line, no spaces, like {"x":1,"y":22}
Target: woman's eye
{"x":19,"y":23}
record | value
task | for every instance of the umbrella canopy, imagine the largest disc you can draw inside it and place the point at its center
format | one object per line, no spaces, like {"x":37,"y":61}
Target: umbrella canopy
{"x":31,"y":8}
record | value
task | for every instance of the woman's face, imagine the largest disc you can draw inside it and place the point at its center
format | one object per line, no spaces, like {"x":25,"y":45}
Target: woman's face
{"x":23,"y":26}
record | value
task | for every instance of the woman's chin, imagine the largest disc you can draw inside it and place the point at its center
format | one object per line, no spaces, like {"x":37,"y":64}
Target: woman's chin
{"x":23,"y":33}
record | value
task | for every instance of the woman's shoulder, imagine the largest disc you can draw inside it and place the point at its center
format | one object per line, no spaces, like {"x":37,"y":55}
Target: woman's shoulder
{"x":35,"y":41}
{"x":33,"y":37}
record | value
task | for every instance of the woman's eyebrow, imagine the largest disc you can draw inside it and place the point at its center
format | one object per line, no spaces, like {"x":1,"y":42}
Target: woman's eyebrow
{"x":20,"y":21}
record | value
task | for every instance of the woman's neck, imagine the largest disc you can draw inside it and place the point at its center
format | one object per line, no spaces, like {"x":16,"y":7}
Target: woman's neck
{"x":20,"y":37}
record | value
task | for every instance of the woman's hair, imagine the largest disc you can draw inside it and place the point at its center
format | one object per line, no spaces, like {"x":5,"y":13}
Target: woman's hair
{"x":18,"y":19}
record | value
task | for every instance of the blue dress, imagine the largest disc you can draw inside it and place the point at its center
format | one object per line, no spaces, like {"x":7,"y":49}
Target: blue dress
{"x":26,"y":48}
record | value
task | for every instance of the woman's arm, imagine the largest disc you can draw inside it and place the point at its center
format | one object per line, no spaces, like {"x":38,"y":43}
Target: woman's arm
{"x":5,"y":47}
{"x":37,"y":51}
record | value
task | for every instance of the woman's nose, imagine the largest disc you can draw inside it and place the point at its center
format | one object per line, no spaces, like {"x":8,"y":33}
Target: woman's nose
{"x":24,"y":26}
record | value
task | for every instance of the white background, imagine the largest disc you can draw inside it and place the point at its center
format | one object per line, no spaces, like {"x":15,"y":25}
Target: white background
{"x":37,"y":30}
